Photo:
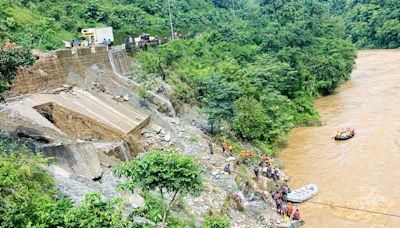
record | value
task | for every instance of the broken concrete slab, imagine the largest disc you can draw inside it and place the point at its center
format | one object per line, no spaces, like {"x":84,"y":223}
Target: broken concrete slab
{"x":30,"y":133}
{"x":118,"y":149}
{"x":80,"y":159}
{"x":108,"y":161}
{"x":119,"y":117}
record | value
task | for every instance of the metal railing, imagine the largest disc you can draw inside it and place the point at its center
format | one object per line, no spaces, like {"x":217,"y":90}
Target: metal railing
{"x":145,"y":44}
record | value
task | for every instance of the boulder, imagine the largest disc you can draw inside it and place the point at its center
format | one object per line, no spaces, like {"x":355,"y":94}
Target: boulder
{"x":158,"y":129}
{"x":167,"y":137}
{"x":133,"y":200}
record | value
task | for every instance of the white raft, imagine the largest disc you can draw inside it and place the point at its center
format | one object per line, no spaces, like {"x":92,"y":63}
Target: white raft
{"x":302,"y":194}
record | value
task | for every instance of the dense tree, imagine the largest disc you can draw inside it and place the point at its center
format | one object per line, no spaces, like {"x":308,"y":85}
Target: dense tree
{"x":370,"y":23}
{"x":219,"y":99}
{"x":26,"y":190}
{"x":45,"y":23}
{"x":249,"y":119}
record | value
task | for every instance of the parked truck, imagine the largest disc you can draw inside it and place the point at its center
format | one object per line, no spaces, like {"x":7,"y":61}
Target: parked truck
{"x":99,"y":34}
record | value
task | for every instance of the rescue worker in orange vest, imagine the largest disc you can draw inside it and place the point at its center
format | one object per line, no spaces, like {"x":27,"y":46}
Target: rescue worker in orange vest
{"x":289,"y":209}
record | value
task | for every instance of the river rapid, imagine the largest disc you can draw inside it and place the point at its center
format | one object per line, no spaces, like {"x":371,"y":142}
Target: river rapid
{"x":363,"y":172}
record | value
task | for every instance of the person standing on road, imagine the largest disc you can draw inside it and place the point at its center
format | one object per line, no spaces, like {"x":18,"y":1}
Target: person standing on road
{"x":109,"y":43}
{"x":67,"y":44}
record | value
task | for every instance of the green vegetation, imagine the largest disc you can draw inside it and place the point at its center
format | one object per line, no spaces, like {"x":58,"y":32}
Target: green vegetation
{"x":165,"y":171}
{"x":10,"y":60}
{"x":28,"y":197}
{"x":153,"y":211}
{"x":253,"y":66}
{"x":370,"y":23}
{"x":45,"y":23}
{"x":216,"y":221}
{"x":26,"y":190}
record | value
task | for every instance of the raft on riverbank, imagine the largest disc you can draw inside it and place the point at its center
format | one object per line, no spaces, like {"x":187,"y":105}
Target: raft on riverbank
{"x":302,"y":194}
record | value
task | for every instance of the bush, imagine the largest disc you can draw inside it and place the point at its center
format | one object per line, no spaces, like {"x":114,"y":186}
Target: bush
{"x":95,"y":212}
{"x":216,"y":221}
{"x":153,"y":208}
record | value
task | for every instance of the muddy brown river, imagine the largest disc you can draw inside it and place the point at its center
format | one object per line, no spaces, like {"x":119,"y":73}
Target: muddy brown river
{"x":363,"y":172}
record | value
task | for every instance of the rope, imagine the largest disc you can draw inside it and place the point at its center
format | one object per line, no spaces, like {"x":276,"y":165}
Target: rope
{"x":355,"y":209}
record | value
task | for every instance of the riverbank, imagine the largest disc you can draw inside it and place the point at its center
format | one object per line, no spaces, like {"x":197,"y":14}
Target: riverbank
{"x":363,"y":171}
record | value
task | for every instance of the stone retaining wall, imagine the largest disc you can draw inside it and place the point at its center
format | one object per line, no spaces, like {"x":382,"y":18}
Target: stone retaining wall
{"x":50,"y":73}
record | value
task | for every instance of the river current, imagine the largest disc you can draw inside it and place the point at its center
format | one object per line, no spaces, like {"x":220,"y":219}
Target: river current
{"x":363,"y":172}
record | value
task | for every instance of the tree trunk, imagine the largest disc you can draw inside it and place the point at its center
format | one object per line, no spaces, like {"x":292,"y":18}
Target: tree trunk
{"x":163,"y":225}
{"x":164,"y":76}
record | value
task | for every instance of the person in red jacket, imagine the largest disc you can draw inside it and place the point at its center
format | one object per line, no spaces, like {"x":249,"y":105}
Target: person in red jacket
{"x":265,"y":158}
{"x":296,"y":215}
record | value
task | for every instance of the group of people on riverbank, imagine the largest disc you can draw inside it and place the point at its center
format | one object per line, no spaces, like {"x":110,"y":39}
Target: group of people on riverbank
{"x":284,"y":208}
{"x":269,"y":168}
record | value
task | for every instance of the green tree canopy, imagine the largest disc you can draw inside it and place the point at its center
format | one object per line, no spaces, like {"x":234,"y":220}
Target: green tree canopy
{"x":165,"y":171}
{"x":370,"y":23}
{"x":249,"y":119}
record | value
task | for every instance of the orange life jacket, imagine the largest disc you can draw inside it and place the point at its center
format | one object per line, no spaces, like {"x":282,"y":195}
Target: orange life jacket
{"x":290,"y":208}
